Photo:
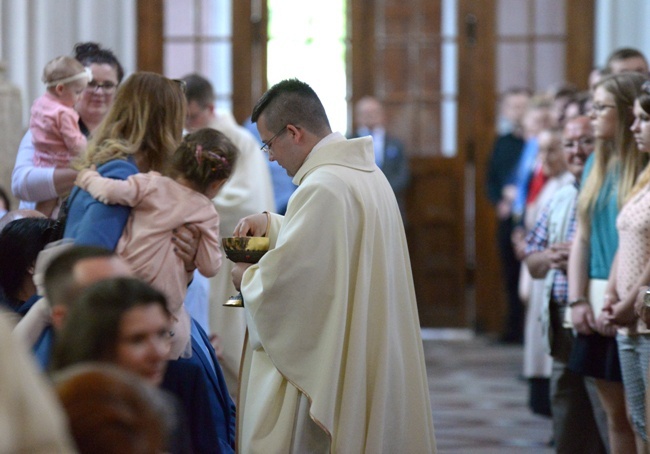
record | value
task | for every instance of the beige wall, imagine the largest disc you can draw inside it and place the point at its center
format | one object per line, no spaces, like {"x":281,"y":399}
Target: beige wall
{"x":10,"y":131}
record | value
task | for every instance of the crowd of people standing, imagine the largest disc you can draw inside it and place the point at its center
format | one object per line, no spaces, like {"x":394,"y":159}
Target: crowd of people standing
{"x":583,"y":250}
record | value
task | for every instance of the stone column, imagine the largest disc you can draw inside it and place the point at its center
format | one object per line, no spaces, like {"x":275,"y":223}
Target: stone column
{"x":11,"y":131}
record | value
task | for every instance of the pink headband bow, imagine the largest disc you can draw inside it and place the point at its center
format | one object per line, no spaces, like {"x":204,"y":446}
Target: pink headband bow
{"x":199,"y":156}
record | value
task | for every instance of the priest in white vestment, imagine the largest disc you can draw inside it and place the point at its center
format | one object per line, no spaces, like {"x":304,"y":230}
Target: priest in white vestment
{"x":333,"y":360}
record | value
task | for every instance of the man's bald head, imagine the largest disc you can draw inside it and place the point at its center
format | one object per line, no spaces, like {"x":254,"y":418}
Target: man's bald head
{"x":580,"y":122}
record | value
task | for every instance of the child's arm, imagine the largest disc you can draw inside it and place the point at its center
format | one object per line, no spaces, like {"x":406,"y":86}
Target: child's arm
{"x":127,"y":192}
{"x":74,"y":140}
{"x":208,"y":254}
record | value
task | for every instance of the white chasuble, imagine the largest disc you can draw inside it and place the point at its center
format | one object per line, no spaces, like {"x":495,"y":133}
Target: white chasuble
{"x":333,"y":320}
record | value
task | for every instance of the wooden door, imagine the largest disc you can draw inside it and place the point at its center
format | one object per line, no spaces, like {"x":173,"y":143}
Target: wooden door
{"x":476,"y":131}
{"x":396,"y":50}
{"x":436,"y":241}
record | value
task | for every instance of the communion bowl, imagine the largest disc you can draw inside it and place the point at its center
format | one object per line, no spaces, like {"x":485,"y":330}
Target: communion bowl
{"x":248,"y":249}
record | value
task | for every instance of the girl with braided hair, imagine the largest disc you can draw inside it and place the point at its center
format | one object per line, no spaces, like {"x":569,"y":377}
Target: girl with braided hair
{"x":160,"y":204}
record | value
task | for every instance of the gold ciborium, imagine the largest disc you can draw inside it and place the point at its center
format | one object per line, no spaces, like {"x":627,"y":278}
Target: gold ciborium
{"x":248,"y":249}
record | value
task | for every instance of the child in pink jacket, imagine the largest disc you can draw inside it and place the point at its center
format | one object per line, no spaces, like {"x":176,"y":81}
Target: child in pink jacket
{"x":199,"y":168}
{"x":54,"y":123}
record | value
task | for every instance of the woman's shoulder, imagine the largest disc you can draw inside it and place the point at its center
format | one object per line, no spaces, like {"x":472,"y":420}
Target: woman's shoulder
{"x":119,"y":169}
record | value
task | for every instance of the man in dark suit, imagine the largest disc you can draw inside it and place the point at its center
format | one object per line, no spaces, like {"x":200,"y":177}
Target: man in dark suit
{"x":504,"y":158}
{"x":389,"y":151}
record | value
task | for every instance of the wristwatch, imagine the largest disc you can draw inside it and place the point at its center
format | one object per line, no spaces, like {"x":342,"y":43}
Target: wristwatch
{"x":646,"y":298}
{"x":579,"y":300}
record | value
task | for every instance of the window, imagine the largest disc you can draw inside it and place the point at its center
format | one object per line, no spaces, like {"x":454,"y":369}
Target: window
{"x":198,"y":38}
{"x":308,"y":43}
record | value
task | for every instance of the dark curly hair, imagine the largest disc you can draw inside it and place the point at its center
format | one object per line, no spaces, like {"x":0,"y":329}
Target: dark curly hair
{"x":20,"y":242}
{"x":89,"y":52}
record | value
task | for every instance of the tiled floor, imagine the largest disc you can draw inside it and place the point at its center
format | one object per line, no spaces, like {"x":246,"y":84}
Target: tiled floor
{"x":478,"y":401}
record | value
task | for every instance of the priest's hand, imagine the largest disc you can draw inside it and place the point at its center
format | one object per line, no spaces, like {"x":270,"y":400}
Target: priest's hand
{"x":253,"y":225}
{"x":237,"y":273}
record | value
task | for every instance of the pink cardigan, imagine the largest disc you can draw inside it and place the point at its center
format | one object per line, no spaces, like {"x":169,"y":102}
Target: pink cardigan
{"x":159,"y":206}
{"x":55,"y":131}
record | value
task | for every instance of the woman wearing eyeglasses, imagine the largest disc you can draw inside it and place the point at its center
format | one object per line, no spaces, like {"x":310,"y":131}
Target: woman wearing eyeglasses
{"x":120,"y":322}
{"x":32,"y":184}
{"x":608,"y":179}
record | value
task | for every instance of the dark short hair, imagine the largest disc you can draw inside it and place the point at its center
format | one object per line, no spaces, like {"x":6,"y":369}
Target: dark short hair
{"x":292,"y":102}
{"x":91,"y":329}
{"x":60,"y":286}
{"x":20,"y":242}
{"x":198,"y":89}
{"x":623,"y":53}
{"x":89,"y":52}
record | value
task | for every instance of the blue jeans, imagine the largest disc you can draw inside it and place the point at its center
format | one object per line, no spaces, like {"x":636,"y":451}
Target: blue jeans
{"x":634,"y":353}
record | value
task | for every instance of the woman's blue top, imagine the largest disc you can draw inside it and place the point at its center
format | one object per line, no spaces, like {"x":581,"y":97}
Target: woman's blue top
{"x":92,"y":223}
{"x":603,"y":238}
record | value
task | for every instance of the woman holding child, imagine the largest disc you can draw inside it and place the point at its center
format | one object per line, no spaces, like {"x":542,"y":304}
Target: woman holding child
{"x":139,"y":134}
{"x":34,"y":184}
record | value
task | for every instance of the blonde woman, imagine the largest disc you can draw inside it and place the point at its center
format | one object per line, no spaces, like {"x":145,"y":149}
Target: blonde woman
{"x":139,"y":133}
{"x":609,"y":176}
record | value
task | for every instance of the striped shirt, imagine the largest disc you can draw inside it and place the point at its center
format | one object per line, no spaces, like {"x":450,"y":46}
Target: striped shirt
{"x":537,"y":241}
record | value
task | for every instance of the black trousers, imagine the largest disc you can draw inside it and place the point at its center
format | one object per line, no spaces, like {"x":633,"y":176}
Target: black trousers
{"x":510,"y":267}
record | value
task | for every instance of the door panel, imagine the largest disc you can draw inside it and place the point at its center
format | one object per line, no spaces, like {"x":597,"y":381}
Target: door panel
{"x":476,"y":120}
{"x":436,"y":239}
{"x":403,"y":70}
